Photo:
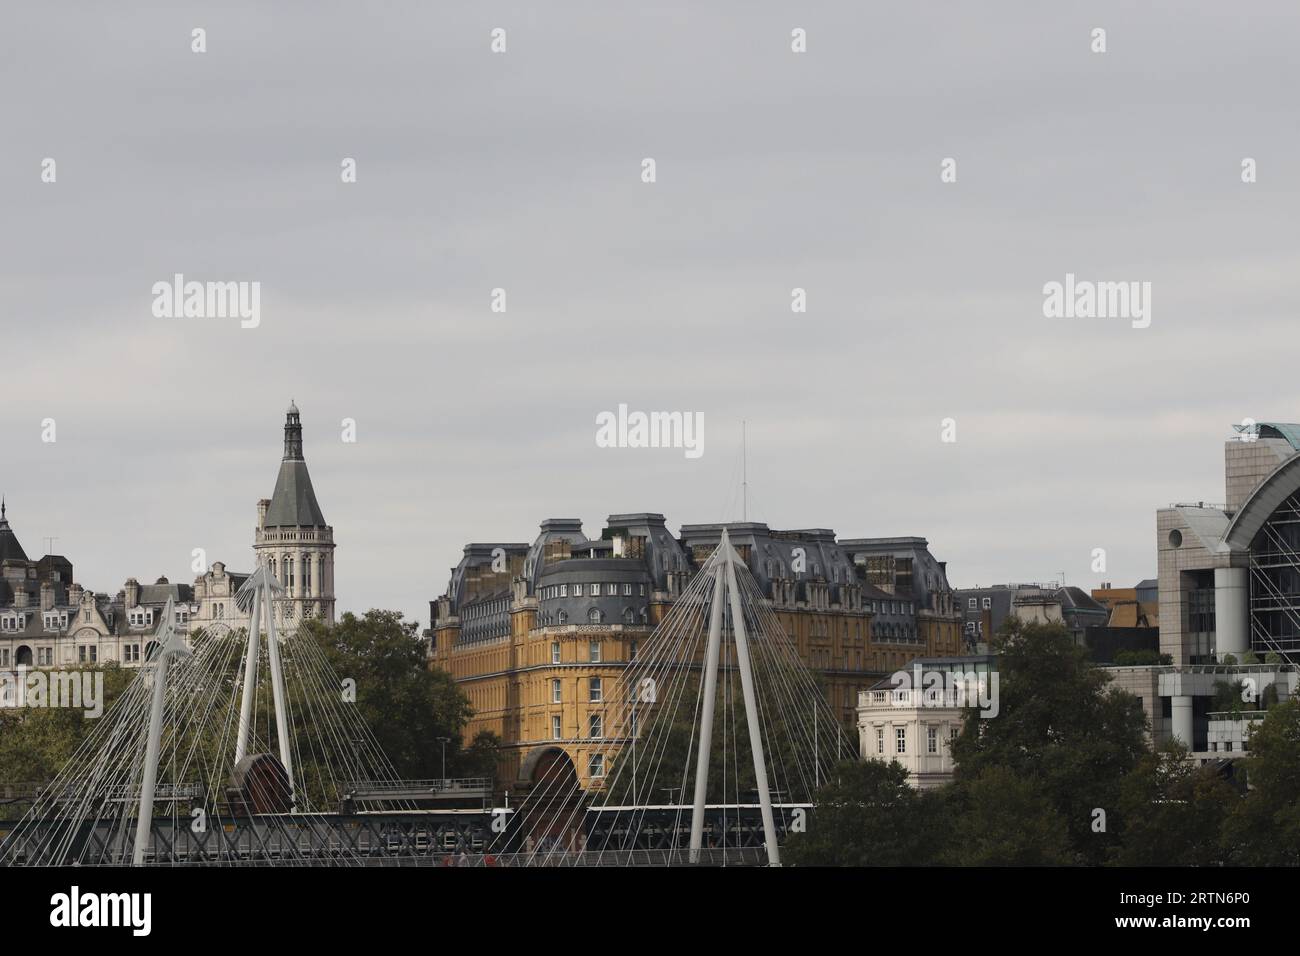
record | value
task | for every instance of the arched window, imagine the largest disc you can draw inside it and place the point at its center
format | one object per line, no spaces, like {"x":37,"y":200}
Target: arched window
{"x":629,"y":616}
{"x":594,"y":616}
{"x":562,"y":617}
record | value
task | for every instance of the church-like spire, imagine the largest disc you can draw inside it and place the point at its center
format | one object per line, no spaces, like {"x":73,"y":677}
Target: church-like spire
{"x":293,"y":503}
{"x":292,"y":434}
{"x":10,"y":549}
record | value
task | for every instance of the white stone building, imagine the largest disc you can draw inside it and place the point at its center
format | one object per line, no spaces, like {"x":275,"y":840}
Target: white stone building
{"x":913,"y":715}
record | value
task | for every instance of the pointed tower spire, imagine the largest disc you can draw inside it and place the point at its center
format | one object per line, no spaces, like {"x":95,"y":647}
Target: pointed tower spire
{"x":10,"y":549}
{"x":292,"y":434}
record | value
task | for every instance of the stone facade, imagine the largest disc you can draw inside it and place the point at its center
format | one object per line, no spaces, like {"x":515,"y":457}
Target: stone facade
{"x":914,"y":722}
{"x":47,"y":620}
{"x":537,"y":634}
{"x":292,"y":538}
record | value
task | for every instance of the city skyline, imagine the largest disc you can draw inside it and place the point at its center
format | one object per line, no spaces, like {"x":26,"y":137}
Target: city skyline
{"x":240,"y":559}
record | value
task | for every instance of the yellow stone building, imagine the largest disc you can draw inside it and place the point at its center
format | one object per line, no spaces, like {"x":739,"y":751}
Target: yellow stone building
{"x":538,"y":634}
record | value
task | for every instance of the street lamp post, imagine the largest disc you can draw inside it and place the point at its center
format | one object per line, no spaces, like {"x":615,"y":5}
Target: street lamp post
{"x":443,"y":741}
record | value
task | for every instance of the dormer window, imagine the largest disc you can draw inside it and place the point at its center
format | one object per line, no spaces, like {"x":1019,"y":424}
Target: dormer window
{"x":56,"y":620}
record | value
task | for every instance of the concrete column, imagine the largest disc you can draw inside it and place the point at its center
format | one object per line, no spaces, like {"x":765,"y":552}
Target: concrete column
{"x":1231,"y":612}
{"x":1182,"y":719}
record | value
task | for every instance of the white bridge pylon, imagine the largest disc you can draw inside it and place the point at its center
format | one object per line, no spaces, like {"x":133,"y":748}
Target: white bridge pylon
{"x":725,"y":583}
{"x":157,"y":778}
{"x":715,"y":715}
{"x":257,"y":596}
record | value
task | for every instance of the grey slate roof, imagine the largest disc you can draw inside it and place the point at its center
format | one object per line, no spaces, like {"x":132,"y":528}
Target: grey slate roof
{"x":293,"y":503}
{"x":10,"y":549}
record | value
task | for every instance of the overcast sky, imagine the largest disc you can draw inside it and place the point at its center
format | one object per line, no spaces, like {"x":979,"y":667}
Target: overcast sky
{"x":522,"y":170}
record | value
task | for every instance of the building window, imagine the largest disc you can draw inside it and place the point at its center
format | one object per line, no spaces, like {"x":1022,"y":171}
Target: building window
{"x":596,"y":726}
{"x":594,"y":690}
{"x":900,"y":740}
{"x":564,"y":590}
{"x":596,"y":765}
{"x":44,"y":657}
{"x":594,"y":616}
{"x":627,"y":590}
{"x":641,"y":592}
{"x":306,"y":572}
{"x":4,"y":657}
{"x":132,"y":652}
{"x":555,"y":652}
{"x":555,"y":727}
{"x":87,"y":653}
{"x":1227,"y":745}
{"x":594,"y":590}
{"x":557,"y":691}
{"x":562,"y":616}
{"x":594,"y":652}
{"x":611,"y":589}
{"x":932,"y":740}
{"x":880,"y":740}
{"x":971,"y":604}
{"x":987,"y":604}
{"x":631,"y":654}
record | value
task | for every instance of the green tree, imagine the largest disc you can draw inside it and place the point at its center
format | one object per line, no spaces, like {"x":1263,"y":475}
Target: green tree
{"x":480,"y":758}
{"x":1002,"y":819}
{"x":868,"y":815}
{"x":1172,"y":812}
{"x":406,"y":705}
{"x":1264,"y":827}
{"x":1229,"y":696}
{"x":35,"y":742}
{"x":1058,"y":725}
